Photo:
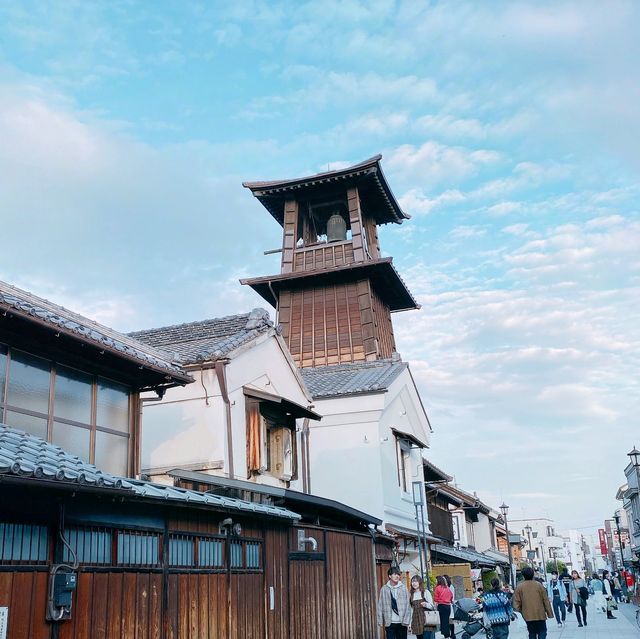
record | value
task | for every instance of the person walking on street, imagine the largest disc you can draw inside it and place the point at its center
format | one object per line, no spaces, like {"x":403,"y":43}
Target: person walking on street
{"x":557,"y":595}
{"x":497,"y":607}
{"x":443,"y":598}
{"x":452,"y":627}
{"x":608,"y":593}
{"x":617,"y":588}
{"x":394,"y":609}
{"x":598,"y":594}
{"x":530,"y":599}
{"x":565,"y":578}
{"x":421,"y":601}
{"x":579,"y":595}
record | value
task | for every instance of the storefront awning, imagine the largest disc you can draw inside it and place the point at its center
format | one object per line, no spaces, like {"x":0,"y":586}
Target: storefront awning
{"x":296,"y":410}
{"x":466,"y":555}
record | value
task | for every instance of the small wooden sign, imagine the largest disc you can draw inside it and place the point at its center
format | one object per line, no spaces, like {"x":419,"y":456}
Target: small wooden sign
{"x":4,"y":621}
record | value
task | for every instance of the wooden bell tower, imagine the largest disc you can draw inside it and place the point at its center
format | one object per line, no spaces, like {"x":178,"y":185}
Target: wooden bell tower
{"x":334,"y":294}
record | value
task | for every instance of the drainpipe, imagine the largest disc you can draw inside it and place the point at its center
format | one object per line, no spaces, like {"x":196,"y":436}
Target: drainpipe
{"x":222,"y":381}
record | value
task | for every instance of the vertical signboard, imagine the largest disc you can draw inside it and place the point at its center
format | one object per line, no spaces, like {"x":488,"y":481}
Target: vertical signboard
{"x":4,"y":621}
{"x":603,"y":541}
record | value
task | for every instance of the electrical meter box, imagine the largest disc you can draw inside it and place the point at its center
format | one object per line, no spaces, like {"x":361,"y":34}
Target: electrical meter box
{"x":59,"y":606}
{"x":63,"y":586}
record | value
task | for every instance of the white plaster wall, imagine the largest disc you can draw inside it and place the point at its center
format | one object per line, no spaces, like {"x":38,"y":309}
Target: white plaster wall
{"x":353,"y":451}
{"x":482,"y":533}
{"x":188,"y":427}
{"x":403,"y":412}
{"x":345,"y":452}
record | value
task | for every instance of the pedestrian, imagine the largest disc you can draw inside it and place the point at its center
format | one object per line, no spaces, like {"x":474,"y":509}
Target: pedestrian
{"x":498,"y":610}
{"x":598,"y":594}
{"x":452,"y":627}
{"x":617,"y":588}
{"x":565,"y":577}
{"x":394,"y":609}
{"x":607,"y":588}
{"x":557,"y":595}
{"x":421,"y":601}
{"x":579,"y":595}
{"x":443,"y":598}
{"x":530,"y":599}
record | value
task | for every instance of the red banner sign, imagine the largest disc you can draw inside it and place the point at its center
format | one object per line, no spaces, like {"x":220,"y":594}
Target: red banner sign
{"x":603,"y":541}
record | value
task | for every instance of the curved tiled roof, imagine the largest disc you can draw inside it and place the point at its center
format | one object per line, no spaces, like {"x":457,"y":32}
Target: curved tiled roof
{"x":207,"y":340}
{"x":25,"y":455}
{"x":367,"y":173}
{"x":31,"y":307}
{"x":351,"y":379}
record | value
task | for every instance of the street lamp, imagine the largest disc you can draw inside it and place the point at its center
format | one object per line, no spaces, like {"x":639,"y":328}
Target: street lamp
{"x":528,"y":530}
{"x":616,"y":518}
{"x":634,"y":456}
{"x":418,"y":502}
{"x":504,"y":509}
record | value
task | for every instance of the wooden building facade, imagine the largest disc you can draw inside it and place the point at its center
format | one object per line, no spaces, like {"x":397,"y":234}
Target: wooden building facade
{"x":158,"y":566}
{"x":335,"y":293}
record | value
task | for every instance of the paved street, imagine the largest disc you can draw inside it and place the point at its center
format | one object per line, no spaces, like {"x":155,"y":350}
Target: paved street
{"x":599,"y":627}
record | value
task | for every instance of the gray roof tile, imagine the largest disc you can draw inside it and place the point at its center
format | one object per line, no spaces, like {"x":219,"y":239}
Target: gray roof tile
{"x":79,"y":327}
{"x":206,"y":340}
{"x":351,"y":379}
{"x":29,"y":456}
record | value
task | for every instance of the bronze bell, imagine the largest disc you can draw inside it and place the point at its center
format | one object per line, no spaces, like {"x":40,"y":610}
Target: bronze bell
{"x":336,"y":228}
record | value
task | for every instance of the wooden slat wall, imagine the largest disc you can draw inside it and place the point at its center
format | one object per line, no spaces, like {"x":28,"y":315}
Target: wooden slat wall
{"x":383,"y":327}
{"x":111,"y":605}
{"x":324,"y":256}
{"x":343,"y":614}
{"x":308,"y":599}
{"x":277,"y":576}
{"x":25,"y":593}
{"x":289,"y":235}
{"x":246,"y":606}
{"x":197,"y":606}
{"x":366,"y":587}
{"x":325,"y":325}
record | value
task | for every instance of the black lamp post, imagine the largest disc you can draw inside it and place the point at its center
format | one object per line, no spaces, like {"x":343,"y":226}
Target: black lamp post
{"x":528,"y":530}
{"x":504,"y":509}
{"x":616,"y":518}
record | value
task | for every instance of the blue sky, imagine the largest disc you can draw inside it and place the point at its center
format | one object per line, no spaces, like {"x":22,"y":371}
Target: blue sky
{"x":508,"y":130}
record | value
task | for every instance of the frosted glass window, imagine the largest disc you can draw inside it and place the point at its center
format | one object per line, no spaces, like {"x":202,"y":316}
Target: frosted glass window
{"x":181,"y":551}
{"x":73,"y":439}
{"x":72,"y":397}
{"x":210,"y":553}
{"x":33,"y":425}
{"x":23,"y":542}
{"x":29,"y":378}
{"x":236,"y":554}
{"x":138,"y":549}
{"x":112,"y":453}
{"x":253,"y":555}
{"x":113,"y":406}
{"x":90,"y":546}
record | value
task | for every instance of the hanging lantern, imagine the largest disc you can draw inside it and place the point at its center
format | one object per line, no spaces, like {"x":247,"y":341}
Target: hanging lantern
{"x":336,"y":228}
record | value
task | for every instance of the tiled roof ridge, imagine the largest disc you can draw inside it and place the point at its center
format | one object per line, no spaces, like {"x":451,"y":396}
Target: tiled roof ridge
{"x":71,"y":322}
{"x":355,"y":365}
{"x":372,"y":161}
{"x":25,"y":455}
{"x":158,"y":329}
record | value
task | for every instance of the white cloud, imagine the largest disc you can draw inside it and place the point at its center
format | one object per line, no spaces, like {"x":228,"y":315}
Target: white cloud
{"x":435,"y":163}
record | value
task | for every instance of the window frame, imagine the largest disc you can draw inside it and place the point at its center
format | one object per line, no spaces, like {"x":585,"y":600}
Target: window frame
{"x":271,"y":421}
{"x":403,"y":455}
{"x":52,"y":419}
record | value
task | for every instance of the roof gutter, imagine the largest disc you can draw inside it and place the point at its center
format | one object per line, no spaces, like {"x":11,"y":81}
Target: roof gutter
{"x":222,"y":381}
